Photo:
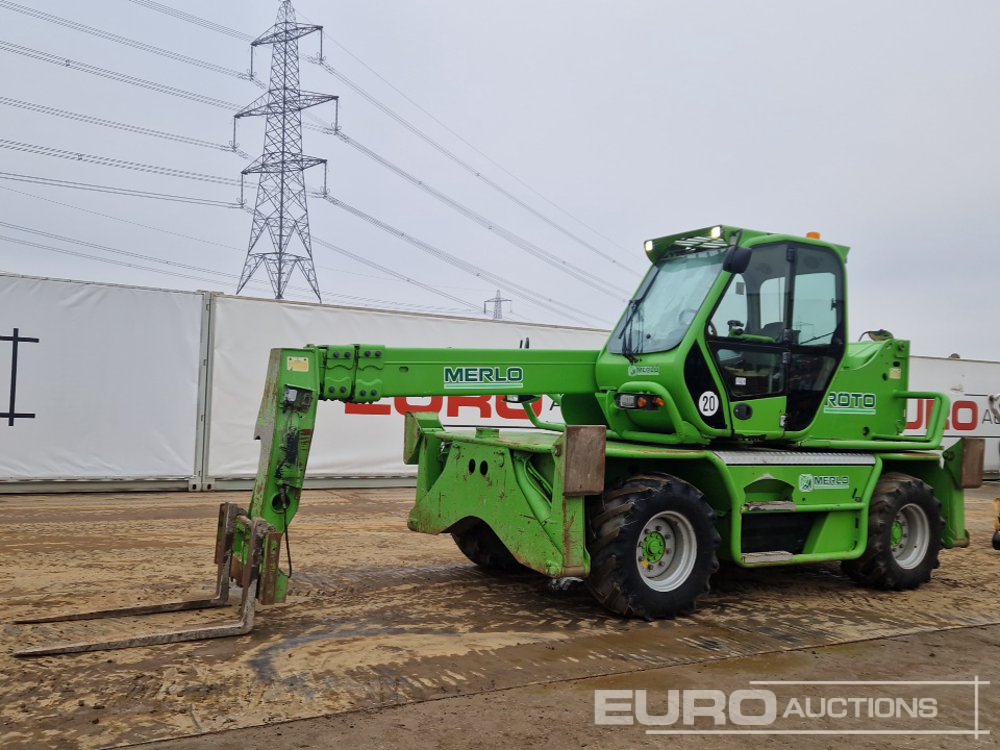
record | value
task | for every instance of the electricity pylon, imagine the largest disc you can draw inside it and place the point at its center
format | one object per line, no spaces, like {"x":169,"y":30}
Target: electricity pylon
{"x":281,"y":208}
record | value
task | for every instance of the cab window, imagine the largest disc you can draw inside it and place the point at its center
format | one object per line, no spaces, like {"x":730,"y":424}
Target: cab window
{"x":779,"y":327}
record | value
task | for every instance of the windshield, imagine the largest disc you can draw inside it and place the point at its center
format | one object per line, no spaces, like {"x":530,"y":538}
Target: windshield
{"x":667,"y":301}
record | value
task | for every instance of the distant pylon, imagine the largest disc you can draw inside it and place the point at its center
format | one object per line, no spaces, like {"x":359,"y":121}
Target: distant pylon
{"x":497,"y":306}
{"x":281,"y":207}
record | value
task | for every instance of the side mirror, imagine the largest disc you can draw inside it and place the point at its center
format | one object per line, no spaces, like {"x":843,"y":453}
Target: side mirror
{"x":737,"y":259}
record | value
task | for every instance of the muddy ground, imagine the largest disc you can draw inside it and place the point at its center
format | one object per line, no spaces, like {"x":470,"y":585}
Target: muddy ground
{"x":392,"y":638}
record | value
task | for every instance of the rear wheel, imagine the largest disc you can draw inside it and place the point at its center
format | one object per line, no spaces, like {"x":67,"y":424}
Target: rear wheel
{"x":652,"y":544}
{"x":480,"y":544}
{"x":904,"y":535}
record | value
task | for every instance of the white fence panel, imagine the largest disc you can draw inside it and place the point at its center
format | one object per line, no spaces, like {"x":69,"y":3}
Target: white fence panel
{"x":356,"y":440}
{"x":105,"y":382}
{"x":106,"y":386}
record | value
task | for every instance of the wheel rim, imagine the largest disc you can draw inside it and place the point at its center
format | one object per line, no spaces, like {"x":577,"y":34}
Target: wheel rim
{"x":666,"y":551}
{"x":910,"y":536}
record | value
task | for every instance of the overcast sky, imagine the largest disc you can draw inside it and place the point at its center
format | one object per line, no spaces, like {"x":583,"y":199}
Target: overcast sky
{"x":875,"y":123}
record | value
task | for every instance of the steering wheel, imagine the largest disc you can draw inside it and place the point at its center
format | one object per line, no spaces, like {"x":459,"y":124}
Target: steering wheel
{"x":711,"y":329}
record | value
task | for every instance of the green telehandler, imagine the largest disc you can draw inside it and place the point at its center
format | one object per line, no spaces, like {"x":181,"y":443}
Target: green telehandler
{"x":726,"y":419}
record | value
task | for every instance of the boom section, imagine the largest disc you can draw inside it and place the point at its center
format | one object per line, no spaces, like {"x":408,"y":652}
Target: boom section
{"x":364,"y":373}
{"x":297,"y":379}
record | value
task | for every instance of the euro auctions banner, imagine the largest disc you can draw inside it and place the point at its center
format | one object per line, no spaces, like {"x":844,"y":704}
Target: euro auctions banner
{"x":350,"y":440}
{"x":974,"y":390}
{"x":97,"y":381}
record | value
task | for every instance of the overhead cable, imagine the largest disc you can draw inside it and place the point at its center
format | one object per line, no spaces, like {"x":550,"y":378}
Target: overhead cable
{"x":535,"y":298}
{"x":160,"y":88}
{"x":457,"y":135}
{"x":118,"y":39}
{"x":168,"y":10}
{"x":91,"y":120}
{"x":385,"y":269}
{"x":462,"y":163}
{"x":180,"y":15}
{"x":113,"y":190}
{"x":393,"y":275}
{"x":107,"y":161}
{"x":230,"y":277}
{"x":595,"y":282}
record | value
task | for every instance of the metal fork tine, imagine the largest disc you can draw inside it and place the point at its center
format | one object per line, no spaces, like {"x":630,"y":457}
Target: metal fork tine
{"x":249,"y":581}
{"x":241,"y":627}
{"x":146,"y":609}
{"x":228,"y":513}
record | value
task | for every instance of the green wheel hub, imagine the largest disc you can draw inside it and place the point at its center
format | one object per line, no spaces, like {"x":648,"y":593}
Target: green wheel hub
{"x":653,"y":547}
{"x":910,"y":536}
{"x":897,"y":533}
{"x":666,"y":551}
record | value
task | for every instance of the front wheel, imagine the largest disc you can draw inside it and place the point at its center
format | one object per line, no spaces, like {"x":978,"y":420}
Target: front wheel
{"x":904,"y":535}
{"x":481,"y":545}
{"x":652,"y":544}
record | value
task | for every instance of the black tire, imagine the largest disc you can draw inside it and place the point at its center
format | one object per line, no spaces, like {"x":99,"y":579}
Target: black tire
{"x":617,"y":526}
{"x":480,"y":544}
{"x":996,"y":540}
{"x":904,"y":536}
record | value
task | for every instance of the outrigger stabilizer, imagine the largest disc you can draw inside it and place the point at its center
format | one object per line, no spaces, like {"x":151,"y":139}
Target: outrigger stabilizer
{"x":258,"y":579}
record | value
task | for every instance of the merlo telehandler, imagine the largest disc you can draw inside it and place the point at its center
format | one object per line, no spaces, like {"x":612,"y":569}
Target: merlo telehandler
{"x":727,"y":418}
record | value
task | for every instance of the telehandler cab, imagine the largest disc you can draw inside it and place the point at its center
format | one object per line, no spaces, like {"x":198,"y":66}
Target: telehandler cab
{"x":727,"y":418}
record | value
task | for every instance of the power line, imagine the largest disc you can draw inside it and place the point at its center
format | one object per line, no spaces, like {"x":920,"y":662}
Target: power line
{"x":119,"y":219}
{"x":107,"y":161}
{"x":118,"y":39}
{"x":466,"y":142}
{"x":384,"y":269}
{"x":137,"y":129}
{"x":394,"y":275}
{"x":492,"y":226}
{"x":115,"y":76}
{"x":113,"y":190}
{"x":533,"y":297}
{"x":126,"y":264}
{"x":180,"y":15}
{"x":590,"y":279}
{"x":156,"y":87}
{"x":159,"y":7}
{"x":462,"y":163}
{"x":116,"y":251}
{"x":89,"y":256}
{"x":167,"y":171}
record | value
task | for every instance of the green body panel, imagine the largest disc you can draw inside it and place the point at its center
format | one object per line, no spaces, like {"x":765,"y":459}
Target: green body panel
{"x":829,"y":503}
{"x":865,"y":398}
{"x":779,"y":496}
{"x":513,"y":483}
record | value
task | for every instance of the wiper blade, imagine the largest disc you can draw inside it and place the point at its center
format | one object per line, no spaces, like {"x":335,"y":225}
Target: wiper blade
{"x":628,"y":351}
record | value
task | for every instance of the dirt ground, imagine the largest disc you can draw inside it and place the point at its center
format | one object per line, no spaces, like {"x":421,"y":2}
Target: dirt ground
{"x":391,"y":638}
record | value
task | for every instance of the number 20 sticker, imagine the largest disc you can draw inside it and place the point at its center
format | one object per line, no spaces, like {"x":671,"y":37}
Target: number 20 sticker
{"x":708,"y":403}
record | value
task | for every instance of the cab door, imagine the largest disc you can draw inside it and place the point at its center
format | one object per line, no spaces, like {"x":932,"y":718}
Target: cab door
{"x":776,"y":337}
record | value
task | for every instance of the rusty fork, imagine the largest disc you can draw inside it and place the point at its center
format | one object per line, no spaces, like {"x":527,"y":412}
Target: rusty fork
{"x":248,"y":577}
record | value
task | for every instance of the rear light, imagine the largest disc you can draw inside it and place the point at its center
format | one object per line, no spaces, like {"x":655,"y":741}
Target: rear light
{"x":645,"y":401}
